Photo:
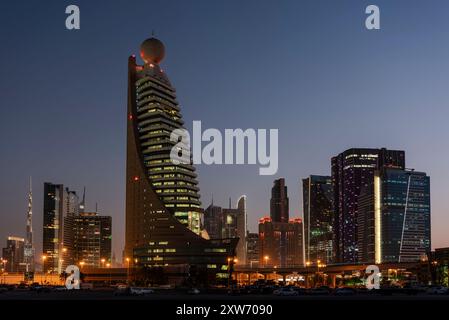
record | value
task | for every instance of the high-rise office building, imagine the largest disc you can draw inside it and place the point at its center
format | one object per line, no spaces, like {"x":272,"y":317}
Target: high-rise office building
{"x":279,"y":201}
{"x":280,"y":238}
{"x":252,"y":249}
{"x":29,"y":252}
{"x":70,"y":211}
{"x":92,"y":238}
{"x":213,"y":218}
{"x":61,"y":206}
{"x":352,"y":170}
{"x":234,"y":226}
{"x":163,"y":215}
{"x":53,"y":218}
{"x":394,"y":217}
{"x":222,"y":223}
{"x":13,"y":254}
{"x":280,"y":243}
{"x":318,"y":218}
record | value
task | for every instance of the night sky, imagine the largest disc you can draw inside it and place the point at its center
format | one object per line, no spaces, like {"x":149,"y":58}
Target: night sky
{"x":308,"y":68}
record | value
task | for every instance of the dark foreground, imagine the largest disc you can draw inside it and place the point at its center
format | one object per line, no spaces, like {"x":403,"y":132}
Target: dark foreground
{"x":172,"y":304}
{"x":176,"y":295}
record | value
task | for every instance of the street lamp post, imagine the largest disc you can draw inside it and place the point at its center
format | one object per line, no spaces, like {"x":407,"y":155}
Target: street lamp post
{"x":307,"y":273}
{"x":4,"y":261}
{"x":266,"y":260}
{"x":44,"y":257}
{"x":127,"y":271}
{"x":229,"y":270}
{"x":110,"y":276}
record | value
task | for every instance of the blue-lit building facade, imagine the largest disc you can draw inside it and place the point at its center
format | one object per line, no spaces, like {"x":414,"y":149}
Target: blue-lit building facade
{"x":352,"y":171}
{"x":394,"y":217}
{"x":401,"y":215}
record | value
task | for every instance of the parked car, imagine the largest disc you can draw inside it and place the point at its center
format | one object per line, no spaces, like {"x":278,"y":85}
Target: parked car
{"x":301,"y":291}
{"x":60,"y":288}
{"x":39,"y":288}
{"x":285,"y":291}
{"x":122,"y":290}
{"x":345,"y":291}
{"x":138,"y":291}
{"x":437,"y":290}
{"x":193,"y":291}
{"x":320,"y":291}
{"x":86,"y":286}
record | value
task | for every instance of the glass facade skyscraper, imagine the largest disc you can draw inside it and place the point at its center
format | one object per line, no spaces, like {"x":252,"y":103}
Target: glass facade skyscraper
{"x":92,"y":238}
{"x":394,"y":217}
{"x":352,"y":170}
{"x":53,"y":217}
{"x":279,"y":201}
{"x":401,"y":215}
{"x":318,"y":218}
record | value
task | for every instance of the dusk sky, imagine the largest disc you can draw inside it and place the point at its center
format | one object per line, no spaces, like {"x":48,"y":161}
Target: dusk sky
{"x":308,"y":68}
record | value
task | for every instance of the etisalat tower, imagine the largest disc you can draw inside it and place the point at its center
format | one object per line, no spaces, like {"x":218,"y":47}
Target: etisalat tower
{"x":163,"y":213}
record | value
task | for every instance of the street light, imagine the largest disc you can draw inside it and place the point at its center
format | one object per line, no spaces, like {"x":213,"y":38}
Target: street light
{"x":229,"y":271}
{"x":266,"y":260}
{"x":44,"y":257}
{"x":110,"y":276}
{"x":308,"y":263}
{"x":127,"y":271}
{"x":103,"y":260}
{"x":4,"y":269}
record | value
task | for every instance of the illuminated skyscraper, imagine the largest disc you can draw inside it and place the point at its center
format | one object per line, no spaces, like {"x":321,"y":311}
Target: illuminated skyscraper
{"x":223,"y":223}
{"x":279,"y":201}
{"x":394,"y":217}
{"x":13,"y":254}
{"x":60,"y":206}
{"x":213,"y":220}
{"x":163,"y":214}
{"x":352,"y":170}
{"x":280,"y":238}
{"x":318,"y":218}
{"x":234,"y":226}
{"x":29,"y":246}
{"x":92,"y":238}
{"x":52,"y":226}
{"x":252,"y":249}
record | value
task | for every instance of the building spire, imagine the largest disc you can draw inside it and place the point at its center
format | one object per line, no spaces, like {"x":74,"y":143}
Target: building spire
{"x":29,"y":248}
{"x":30,"y":214}
{"x":82,"y":204}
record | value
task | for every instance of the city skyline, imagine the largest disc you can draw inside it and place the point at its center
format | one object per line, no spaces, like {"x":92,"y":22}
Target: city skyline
{"x":79,"y":119}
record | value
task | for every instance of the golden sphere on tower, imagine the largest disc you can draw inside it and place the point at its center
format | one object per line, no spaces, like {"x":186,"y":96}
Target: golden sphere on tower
{"x":152,"y":50}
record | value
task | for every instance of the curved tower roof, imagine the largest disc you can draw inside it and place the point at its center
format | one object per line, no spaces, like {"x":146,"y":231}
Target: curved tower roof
{"x":162,"y":198}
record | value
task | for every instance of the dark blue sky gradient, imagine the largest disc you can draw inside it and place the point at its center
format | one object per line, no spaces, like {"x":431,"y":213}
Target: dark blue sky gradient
{"x":309,"y":68}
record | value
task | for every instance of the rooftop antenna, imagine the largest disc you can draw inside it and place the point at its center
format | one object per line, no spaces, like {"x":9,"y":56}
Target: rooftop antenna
{"x":229,"y":202}
{"x":82,"y":205}
{"x":96,"y":207}
{"x":212,"y":204}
